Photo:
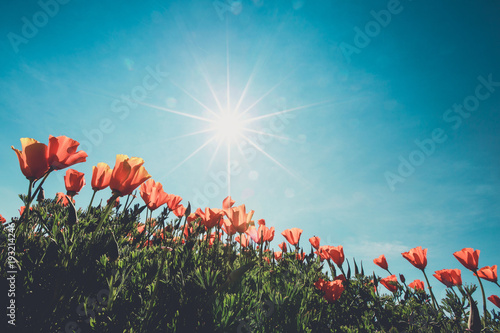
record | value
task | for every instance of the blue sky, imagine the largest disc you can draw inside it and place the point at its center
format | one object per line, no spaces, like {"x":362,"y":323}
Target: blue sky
{"x":355,"y":111}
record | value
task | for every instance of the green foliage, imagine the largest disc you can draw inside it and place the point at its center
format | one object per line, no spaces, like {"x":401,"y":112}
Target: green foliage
{"x":74,"y":278}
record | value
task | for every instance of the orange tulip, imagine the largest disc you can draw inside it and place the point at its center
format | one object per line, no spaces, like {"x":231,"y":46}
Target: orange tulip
{"x":101,"y":176}
{"x":152,"y":193}
{"x":243,"y":240}
{"x":417,"y":257}
{"x":32,"y":158}
{"x":239,"y":218}
{"x":468,"y":257}
{"x":488,"y":273}
{"x":179,"y":211}
{"x":228,"y":227}
{"x":417,"y":284}
{"x":381,"y":262}
{"x":2,"y":219}
{"x":263,"y":234}
{"x":227,"y":203}
{"x":62,"y":152}
{"x":283,"y":247}
{"x":141,"y":227}
{"x":495,"y":300}
{"x":336,"y":253}
{"x":314,"y":242}
{"x":278,"y":255}
{"x":323,"y":253}
{"x":449,"y":277}
{"x":390,"y":282}
{"x":333,"y":290}
{"x":74,"y":181}
{"x":210,"y":217}
{"x":62,"y":199}
{"x":127,"y":175}
{"x":173,"y":201}
{"x":292,"y":235}
{"x":300,"y":256}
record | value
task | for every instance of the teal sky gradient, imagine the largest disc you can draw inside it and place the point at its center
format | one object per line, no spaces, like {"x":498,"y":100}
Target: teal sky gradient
{"x":356,"y":105}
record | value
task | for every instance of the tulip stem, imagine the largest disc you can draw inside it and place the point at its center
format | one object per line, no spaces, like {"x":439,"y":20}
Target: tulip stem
{"x":482,"y":291}
{"x":110,"y":205}
{"x":91,"y":200}
{"x":436,"y":306}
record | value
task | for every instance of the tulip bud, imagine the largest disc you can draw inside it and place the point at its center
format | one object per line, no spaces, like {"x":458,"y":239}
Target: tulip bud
{"x":402,"y":278}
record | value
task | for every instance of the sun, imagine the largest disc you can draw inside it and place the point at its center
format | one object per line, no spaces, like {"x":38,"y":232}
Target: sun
{"x":228,"y":127}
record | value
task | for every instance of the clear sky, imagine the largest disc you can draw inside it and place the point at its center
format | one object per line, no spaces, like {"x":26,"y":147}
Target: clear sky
{"x":373,"y":125}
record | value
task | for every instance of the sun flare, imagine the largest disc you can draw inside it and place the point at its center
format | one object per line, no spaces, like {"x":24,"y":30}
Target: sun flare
{"x":228,"y":128}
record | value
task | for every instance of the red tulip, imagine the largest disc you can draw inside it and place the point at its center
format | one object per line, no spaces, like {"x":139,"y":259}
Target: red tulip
{"x":381,"y":262}
{"x":417,"y":257}
{"x":292,"y":235}
{"x":319,"y":284}
{"x":468,"y":257}
{"x":314,"y":242}
{"x":336,"y":253}
{"x":449,"y":277}
{"x":2,"y":219}
{"x":62,"y":199}
{"x":300,"y":256}
{"x":127,"y":175}
{"x":417,"y":284}
{"x":74,"y":181}
{"x":32,"y":158}
{"x":62,"y":152}
{"x":390,"y":282}
{"x":322,"y":252}
{"x":495,"y":300}
{"x":101,"y":176}
{"x":153,"y":194}
{"x":488,"y":273}
{"x":333,"y":290}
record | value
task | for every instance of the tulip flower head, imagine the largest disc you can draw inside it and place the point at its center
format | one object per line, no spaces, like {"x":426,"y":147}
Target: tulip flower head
{"x":495,"y":300}
{"x":488,"y":273}
{"x":32,"y":158}
{"x":152,"y":193}
{"x":127,"y":175}
{"x":101,"y":176}
{"x":417,"y":257}
{"x":283,"y":246}
{"x":381,"y":262}
{"x":333,"y":290}
{"x":239,"y":218}
{"x":390,"y":282}
{"x":468,"y":257}
{"x":449,"y":277}
{"x":62,"y":152}
{"x":336,"y":253}
{"x":62,"y":199}
{"x":74,"y":181}
{"x":314,"y":242}
{"x":210,"y":217}
{"x":292,"y":235}
{"x":2,"y":219}
{"x":417,"y":284}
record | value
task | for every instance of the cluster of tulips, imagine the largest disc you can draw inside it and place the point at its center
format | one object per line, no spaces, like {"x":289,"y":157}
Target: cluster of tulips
{"x":37,"y":160}
{"x":449,"y":277}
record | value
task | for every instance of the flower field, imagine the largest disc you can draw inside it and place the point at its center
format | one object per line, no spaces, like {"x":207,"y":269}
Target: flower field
{"x":146,"y":261}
